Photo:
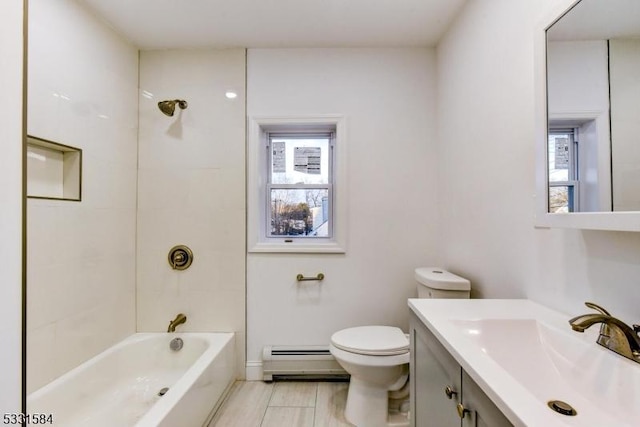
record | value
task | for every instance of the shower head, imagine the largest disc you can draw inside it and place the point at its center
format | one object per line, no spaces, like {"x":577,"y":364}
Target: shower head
{"x":168,"y":107}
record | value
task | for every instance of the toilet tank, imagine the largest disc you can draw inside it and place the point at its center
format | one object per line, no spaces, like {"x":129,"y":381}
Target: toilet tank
{"x":438,"y":283}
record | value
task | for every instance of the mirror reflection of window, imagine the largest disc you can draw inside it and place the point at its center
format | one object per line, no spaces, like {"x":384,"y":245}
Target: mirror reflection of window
{"x":563,"y":171}
{"x":593,"y":57}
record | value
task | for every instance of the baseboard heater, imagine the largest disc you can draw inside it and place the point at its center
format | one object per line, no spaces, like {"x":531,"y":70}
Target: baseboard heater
{"x":300,"y":362}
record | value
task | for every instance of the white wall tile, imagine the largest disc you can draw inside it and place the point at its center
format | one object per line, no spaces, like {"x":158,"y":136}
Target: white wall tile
{"x":41,"y":340}
{"x":217,"y":310}
{"x":155,"y":309}
{"x":191,"y":191}
{"x":81,"y":255}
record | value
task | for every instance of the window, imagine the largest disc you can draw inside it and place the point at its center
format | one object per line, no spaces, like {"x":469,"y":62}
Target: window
{"x":299,"y":185}
{"x":296,"y":171}
{"x":563,"y":170}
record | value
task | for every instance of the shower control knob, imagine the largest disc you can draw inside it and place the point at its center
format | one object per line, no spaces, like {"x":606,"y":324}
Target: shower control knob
{"x":180,"y":257}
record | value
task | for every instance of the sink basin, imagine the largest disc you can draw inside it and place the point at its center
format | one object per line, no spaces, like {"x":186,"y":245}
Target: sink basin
{"x":555,"y":364}
{"x":524,"y":355}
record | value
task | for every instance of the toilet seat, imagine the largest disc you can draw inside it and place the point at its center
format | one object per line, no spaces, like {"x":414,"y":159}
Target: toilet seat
{"x":372,"y":340}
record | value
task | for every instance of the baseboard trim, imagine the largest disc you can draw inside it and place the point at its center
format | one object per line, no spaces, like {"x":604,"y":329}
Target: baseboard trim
{"x":253,"y":370}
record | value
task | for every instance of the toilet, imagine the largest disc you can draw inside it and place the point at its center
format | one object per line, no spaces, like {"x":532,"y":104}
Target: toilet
{"x":377,"y":358}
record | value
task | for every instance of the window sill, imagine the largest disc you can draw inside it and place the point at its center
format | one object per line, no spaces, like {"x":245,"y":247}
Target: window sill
{"x":297,"y":247}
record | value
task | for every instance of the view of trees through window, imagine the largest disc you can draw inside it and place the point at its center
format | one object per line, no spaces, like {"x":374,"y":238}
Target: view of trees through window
{"x":291,"y":217}
{"x":558,"y":199}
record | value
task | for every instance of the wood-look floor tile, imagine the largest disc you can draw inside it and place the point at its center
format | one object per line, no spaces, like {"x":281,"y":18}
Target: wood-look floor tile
{"x":330,"y":404}
{"x":294,"y":394}
{"x":287,"y":416}
{"x":245,"y":406}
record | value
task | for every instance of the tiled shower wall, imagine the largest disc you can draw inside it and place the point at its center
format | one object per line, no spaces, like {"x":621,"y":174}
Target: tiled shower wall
{"x":191,"y":186}
{"x":81,"y":255}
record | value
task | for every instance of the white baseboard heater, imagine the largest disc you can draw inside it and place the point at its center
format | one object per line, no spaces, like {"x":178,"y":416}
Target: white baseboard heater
{"x":300,"y":362}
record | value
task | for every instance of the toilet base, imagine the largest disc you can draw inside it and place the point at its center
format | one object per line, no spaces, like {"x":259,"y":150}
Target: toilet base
{"x":368,"y":406}
{"x":398,"y":419}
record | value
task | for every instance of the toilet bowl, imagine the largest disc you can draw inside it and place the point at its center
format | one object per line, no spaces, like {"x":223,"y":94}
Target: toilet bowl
{"x":377,"y":357}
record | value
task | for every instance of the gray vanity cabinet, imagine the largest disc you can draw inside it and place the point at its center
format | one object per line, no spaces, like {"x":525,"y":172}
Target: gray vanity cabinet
{"x":482,"y":411}
{"x":442,"y":394}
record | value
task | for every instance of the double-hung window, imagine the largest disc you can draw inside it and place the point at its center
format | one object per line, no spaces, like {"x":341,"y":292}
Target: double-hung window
{"x":299,"y":190}
{"x":296,"y":189}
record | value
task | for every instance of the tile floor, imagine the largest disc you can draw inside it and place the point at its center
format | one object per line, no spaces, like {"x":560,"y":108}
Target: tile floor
{"x":283,"y":404}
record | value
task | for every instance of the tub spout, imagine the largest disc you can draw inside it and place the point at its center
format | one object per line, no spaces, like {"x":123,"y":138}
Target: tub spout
{"x":179,"y":320}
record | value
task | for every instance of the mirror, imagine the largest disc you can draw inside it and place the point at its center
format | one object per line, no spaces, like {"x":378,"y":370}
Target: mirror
{"x":597,"y":178}
{"x":593,"y":108}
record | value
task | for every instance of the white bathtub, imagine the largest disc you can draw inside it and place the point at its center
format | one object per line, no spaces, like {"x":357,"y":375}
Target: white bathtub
{"x":119,"y":387}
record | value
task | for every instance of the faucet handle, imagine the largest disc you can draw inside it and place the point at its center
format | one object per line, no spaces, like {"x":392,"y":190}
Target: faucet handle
{"x":597,"y":308}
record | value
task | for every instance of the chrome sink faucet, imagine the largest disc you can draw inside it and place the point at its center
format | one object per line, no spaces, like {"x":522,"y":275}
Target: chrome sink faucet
{"x":614,"y":334}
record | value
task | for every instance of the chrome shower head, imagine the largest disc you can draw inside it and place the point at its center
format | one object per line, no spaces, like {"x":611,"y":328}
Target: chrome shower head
{"x":169,"y":107}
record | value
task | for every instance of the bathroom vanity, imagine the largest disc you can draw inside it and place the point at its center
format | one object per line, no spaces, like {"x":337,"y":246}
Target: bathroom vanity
{"x":444,"y":394}
{"x":514,"y":363}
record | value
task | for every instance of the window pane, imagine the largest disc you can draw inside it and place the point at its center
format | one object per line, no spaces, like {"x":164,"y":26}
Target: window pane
{"x":561,"y":199}
{"x":299,"y":160}
{"x":300,"y":212}
{"x":559,"y":156}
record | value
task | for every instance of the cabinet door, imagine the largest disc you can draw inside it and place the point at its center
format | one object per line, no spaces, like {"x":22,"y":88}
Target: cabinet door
{"x":482,"y":411}
{"x":432,"y":371}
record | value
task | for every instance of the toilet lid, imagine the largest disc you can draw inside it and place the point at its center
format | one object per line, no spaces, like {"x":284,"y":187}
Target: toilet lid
{"x":372,"y":340}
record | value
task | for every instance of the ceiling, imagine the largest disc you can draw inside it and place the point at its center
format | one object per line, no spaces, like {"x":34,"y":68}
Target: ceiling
{"x":162,"y":24}
{"x":598,"y":20}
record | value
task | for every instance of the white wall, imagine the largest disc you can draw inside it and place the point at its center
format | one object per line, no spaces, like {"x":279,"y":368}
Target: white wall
{"x":81,"y":255}
{"x":578,"y":78}
{"x":191,"y":189}
{"x":578,"y":87}
{"x":625,"y":126}
{"x":486,"y":128}
{"x":388,"y":99}
{"x":11,"y":13}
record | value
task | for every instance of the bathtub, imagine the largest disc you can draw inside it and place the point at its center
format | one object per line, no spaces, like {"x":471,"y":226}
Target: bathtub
{"x":121,"y":386}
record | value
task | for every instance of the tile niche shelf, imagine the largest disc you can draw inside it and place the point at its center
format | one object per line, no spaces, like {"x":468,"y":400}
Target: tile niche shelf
{"x":54,"y":171}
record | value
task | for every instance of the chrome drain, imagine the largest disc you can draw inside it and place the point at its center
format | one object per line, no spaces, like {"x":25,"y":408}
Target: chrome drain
{"x":176,"y":344}
{"x":562,"y":407}
{"x":163,"y":391}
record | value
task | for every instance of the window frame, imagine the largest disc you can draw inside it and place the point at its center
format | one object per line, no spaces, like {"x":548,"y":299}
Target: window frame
{"x":258,"y":189}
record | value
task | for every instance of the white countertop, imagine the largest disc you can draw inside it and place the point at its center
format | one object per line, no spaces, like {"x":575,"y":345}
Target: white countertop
{"x":523,"y":354}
